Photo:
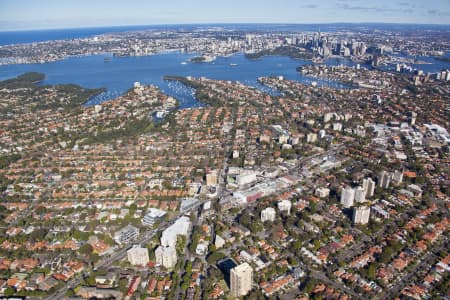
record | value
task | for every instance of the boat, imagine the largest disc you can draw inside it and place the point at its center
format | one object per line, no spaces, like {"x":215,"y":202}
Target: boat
{"x":184,"y":63}
{"x":233,"y":65}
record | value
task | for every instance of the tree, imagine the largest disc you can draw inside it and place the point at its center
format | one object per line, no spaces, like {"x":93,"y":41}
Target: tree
{"x":86,"y":249}
{"x":214,"y":257}
{"x":316,"y":244}
{"x":123,"y":285}
{"x":309,"y":286}
{"x":9,"y":292}
{"x":371,"y":272}
{"x":386,"y":255}
{"x":38,"y":234}
{"x":90,"y":280}
{"x":188,"y":267}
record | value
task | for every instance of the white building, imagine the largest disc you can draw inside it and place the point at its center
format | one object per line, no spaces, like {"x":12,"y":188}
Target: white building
{"x":138,"y":256}
{"x":268,"y":214}
{"x":337,"y":126}
{"x":219,"y":242}
{"x":202,"y":248}
{"x":170,"y":235}
{"x":416,"y":190}
{"x":283,"y":139}
{"x":384,"y":179}
{"x":369,"y":187}
{"x":311,"y":138}
{"x":327,"y":117}
{"x":285,"y":205}
{"x":126,"y":235}
{"x":322,"y":192}
{"x":153,"y":215}
{"x":246,"y":177}
{"x":166,"y":256}
{"x":379,"y":212}
{"x":241,"y":279}
{"x":397,"y":177}
{"x":361,"y":215}
{"x":360,"y":194}
{"x":347,"y":197}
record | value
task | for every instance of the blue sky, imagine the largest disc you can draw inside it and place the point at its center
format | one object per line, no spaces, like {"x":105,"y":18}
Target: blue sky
{"x":36,"y":14}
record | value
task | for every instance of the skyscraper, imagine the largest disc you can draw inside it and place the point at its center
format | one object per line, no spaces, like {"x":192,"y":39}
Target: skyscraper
{"x":241,"y":278}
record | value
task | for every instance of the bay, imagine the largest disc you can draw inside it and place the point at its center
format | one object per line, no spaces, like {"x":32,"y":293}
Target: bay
{"x":118,"y":74}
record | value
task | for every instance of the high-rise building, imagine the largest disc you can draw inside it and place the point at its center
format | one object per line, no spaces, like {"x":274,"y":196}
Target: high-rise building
{"x":285,"y":205}
{"x":268,"y":214}
{"x":138,"y":256}
{"x":170,"y":235}
{"x":360,"y":194}
{"x":412,"y":118}
{"x":166,"y":256}
{"x":384,"y":179}
{"x":347,"y":197}
{"x":241,"y":278}
{"x":126,"y":235}
{"x":369,"y":187}
{"x":361,"y":215}
{"x":397,"y":177}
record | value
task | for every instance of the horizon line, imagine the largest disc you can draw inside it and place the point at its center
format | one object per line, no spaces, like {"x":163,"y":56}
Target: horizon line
{"x":222,"y":23}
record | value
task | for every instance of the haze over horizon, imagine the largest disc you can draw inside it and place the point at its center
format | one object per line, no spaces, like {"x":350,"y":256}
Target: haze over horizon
{"x":52,"y":14}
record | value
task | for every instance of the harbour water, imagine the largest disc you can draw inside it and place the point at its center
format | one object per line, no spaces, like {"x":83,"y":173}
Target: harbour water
{"x":118,"y":74}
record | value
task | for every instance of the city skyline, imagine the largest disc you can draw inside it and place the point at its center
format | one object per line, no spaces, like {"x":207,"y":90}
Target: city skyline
{"x":50,"y":14}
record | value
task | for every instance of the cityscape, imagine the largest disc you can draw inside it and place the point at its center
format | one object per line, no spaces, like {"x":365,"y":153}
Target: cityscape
{"x":280,"y":158}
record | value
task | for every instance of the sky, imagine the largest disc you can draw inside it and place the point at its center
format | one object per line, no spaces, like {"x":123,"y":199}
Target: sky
{"x":40,"y":14}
